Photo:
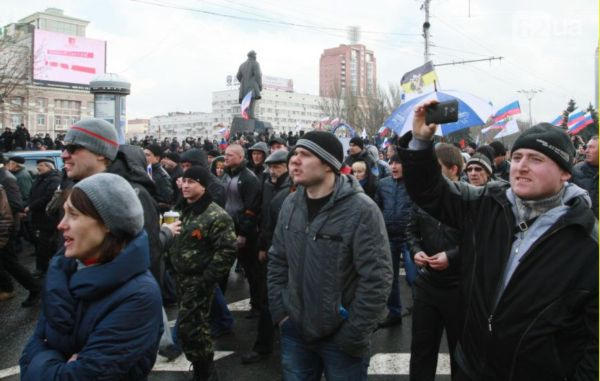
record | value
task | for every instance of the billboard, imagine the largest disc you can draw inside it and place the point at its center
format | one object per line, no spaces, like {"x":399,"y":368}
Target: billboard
{"x":269,"y":83}
{"x":66,"y":60}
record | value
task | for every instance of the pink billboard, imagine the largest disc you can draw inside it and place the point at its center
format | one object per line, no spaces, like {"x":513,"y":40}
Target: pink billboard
{"x":67,"y":59}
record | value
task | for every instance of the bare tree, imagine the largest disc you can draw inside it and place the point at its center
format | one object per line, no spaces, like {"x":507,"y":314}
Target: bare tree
{"x":15,"y":65}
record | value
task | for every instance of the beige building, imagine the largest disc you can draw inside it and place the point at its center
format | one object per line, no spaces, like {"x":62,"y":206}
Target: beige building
{"x":45,"y":109}
{"x":137,"y":128}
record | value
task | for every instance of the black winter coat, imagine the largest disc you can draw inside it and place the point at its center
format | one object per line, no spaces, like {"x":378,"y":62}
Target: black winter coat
{"x":270,"y":192}
{"x":544,"y":326}
{"x":246,"y":221}
{"x":130,"y":164}
{"x":586,"y":177}
{"x":425,"y":233}
{"x":42,"y":191}
{"x":162,"y":183}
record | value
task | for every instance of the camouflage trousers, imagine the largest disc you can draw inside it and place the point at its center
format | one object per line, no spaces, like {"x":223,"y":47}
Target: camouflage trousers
{"x":193,"y":329}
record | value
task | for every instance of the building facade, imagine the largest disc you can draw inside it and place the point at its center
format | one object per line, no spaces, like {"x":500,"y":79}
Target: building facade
{"x":182,"y":125}
{"x":286,"y":111}
{"x":45,"y":109}
{"x":137,"y":128}
{"x":347,"y":68}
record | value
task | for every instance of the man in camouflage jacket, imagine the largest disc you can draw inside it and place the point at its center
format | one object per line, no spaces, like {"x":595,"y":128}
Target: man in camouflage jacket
{"x":199,"y":257}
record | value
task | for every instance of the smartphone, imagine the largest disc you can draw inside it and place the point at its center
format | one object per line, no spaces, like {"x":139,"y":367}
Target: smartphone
{"x":441,"y":113}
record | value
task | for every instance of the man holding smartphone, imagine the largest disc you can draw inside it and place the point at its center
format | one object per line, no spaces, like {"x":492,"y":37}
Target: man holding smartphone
{"x":529,"y":281}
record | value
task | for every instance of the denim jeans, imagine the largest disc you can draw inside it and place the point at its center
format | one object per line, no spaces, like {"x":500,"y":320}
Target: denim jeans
{"x":301,"y":361}
{"x":400,"y":249}
{"x":221,"y":319}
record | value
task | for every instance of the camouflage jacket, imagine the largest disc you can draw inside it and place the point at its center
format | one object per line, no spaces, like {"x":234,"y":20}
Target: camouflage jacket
{"x":204,"y":251}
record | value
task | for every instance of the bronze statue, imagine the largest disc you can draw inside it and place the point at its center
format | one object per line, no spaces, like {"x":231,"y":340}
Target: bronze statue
{"x":250,"y":78}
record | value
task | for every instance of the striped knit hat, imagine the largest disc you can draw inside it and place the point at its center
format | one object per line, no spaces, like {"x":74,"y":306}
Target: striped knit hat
{"x":95,"y":135}
{"x":325,"y":146}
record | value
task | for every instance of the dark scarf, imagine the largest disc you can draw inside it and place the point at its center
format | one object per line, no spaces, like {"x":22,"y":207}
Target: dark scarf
{"x":197,"y":207}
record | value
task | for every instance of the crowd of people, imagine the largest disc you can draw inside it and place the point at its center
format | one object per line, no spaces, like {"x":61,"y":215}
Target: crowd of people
{"x":499,"y":248}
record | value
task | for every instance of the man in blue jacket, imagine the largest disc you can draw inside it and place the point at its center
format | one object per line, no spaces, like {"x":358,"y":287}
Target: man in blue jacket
{"x":396,"y":206}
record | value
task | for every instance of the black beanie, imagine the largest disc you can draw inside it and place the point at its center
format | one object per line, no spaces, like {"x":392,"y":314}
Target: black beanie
{"x":17,"y":159}
{"x":195,"y":156}
{"x":155,"y":149}
{"x":357,"y":141}
{"x":498,"y":147}
{"x":325,"y":146}
{"x":173,"y":156}
{"x":199,"y":174}
{"x":551,"y":141}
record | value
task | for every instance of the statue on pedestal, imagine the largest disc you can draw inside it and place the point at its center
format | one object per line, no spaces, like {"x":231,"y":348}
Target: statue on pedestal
{"x":250,"y":78}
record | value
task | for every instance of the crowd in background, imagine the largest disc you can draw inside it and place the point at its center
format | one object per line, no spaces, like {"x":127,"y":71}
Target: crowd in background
{"x":229,"y":196}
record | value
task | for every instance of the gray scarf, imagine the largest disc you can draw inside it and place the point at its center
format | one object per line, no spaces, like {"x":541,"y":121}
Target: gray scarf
{"x":528,"y":209}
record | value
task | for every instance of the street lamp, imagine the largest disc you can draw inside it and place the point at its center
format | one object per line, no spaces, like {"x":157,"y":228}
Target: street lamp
{"x":529,"y":94}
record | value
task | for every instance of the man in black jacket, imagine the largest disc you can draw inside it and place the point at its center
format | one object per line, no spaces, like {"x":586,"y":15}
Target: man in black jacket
{"x":585,"y":173}
{"x":43,"y":226}
{"x":243,"y":205}
{"x":9,"y":263}
{"x":434,"y":248}
{"x":162,"y":180}
{"x":529,"y":255}
{"x":278,"y":182}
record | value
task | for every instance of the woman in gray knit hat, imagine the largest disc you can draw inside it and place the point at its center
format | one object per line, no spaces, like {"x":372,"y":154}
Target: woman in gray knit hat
{"x":101,"y":317}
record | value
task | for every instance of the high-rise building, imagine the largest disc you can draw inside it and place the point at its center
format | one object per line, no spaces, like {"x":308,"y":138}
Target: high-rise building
{"x":347,"y":68}
{"x":42,"y":101}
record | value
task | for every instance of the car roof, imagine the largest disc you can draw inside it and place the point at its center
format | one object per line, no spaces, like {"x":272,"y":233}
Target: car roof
{"x":25,"y":154}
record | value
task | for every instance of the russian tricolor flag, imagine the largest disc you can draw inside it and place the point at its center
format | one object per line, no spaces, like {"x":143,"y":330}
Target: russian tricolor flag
{"x":579,"y":126}
{"x":557,"y":122}
{"x":508,"y":110}
{"x":246,"y":104}
{"x":575,"y":118}
{"x":383,"y":131}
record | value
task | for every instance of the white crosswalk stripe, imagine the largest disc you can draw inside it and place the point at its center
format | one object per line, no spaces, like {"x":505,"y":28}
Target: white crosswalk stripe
{"x":398,"y":364}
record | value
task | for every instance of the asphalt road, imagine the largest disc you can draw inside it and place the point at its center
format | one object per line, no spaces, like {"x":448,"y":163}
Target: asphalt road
{"x":390,"y":351}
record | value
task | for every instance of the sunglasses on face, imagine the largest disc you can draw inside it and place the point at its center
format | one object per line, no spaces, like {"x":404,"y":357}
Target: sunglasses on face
{"x":474,"y":169}
{"x":72,"y":148}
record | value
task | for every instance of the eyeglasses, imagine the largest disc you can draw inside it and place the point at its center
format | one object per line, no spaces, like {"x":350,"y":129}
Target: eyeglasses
{"x":72,"y":148}
{"x":474,"y":169}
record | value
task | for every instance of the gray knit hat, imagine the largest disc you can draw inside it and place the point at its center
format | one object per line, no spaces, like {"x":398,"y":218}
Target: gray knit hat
{"x":116,"y":201}
{"x":481,"y":160}
{"x":96,"y":135}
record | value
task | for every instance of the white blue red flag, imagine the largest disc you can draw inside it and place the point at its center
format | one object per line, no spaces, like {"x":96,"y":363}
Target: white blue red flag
{"x":558,"y":121}
{"x":575,"y":118}
{"x":383,"y":130}
{"x":508,"y":110}
{"x":246,"y":104}
{"x":579,"y":126}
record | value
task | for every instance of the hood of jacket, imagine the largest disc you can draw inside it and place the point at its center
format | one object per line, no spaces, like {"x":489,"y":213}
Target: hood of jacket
{"x":65,"y":283}
{"x":130,"y":164}
{"x":92,"y":282}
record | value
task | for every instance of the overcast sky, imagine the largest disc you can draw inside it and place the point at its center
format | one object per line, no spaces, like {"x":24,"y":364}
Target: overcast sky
{"x":176,"y":58}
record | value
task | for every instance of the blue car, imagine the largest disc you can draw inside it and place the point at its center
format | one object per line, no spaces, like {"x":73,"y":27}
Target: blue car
{"x":31,"y":158}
